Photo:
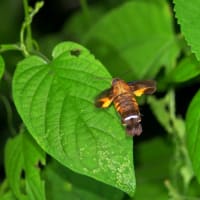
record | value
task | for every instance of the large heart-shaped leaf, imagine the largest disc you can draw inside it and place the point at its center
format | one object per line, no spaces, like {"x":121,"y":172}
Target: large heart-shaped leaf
{"x":56,"y":102}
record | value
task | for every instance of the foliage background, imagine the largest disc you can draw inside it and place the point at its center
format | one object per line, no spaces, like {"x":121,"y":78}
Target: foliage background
{"x":133,"y":40}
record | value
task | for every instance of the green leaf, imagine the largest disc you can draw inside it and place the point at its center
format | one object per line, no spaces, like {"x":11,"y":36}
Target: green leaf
{"x":187,"y":13}
{"x":164,"y":110}
{"x":8,"y":196}
{"x":187,"y":69}
{"x":56,"y":102}
{"x":62,"y":183}
{"x":151,"y":172}
{"x":193,"y":133}
{"x":160,"y":109}
{"x":2,"y":66}
{"x":136,"y":37}
{"x":5,"y":191}
{"x":22,"y":157}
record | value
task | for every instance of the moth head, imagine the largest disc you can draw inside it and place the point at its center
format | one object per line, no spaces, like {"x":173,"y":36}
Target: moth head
{"x":115,"y":80}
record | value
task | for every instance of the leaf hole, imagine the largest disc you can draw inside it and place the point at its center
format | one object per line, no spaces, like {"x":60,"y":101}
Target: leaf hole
{"x":23,"y":174}
{"x":170,"y":122}
{"x":167,"y":108}
{"x":40,"y":165}
{"x":75,"y":52}
{"x":22,"y":186}
{"x":161,"y":73}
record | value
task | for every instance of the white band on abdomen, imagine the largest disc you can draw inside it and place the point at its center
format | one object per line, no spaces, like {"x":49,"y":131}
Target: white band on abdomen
{"x":131,"y":117}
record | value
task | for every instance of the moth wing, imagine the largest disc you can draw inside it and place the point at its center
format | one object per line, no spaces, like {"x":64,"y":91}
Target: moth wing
{"x":143,"y":87}
{"x":104,"y":99}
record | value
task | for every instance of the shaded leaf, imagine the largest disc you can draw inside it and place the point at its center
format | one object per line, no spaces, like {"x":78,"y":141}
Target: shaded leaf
{"x":8,"y":196}
{"x":187,"y":13}
{"x":159,"y":108}
{"x":193,"y":133}
{"x":77,"y":25}
{"x":48,"y":42}
{"x":22,"y":157}
{"x":187,"y":69}
{"x":56,"y":102}
{"x":153,"y":169}
{"x":2,"y":66}
{"x":164,"y":110}
{"x":62,"y":183}
{"x":136,"y":37}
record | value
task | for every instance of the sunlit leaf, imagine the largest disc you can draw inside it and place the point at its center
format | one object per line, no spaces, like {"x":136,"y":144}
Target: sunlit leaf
{"x":22,"y":158}
{"x":187,"y":13}
{"x":193,"y":133}
{"x":56,"y":102}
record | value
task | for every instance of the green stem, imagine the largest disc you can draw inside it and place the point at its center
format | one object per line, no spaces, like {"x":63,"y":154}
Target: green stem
{"x":9,"y":114}
{"x":85,"y":10}
{"x":28,"y":25}
{"x":172,"y":191}
{"x":8,"y":47}
{"x":181,"y":154}
{"x":26,"y":29}
{"x":26,"y":41}
{"x":174,"y":195}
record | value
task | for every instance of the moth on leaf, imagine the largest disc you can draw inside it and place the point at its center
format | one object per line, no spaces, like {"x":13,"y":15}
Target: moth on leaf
{"x":123,"y":95}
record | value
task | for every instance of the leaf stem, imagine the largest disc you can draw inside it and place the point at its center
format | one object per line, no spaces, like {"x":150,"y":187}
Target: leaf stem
{"x":172,"y":191}
{"x":8,"y":47}
{"x":85,"y":9}
{"x":9,"y":114}
{"x":180,"y":153}
{"x":26,"y":41}
{"x":28,"y":25}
